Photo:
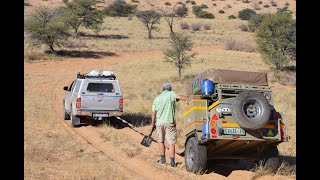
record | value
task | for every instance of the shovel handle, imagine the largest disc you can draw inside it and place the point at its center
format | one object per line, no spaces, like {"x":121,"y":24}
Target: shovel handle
{"x":153,"y":128}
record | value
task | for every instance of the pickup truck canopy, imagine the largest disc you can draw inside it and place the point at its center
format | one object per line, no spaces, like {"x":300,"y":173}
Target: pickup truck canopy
{"x":223,"y":76}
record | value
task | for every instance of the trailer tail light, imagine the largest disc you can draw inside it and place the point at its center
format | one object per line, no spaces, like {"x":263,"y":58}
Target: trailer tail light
{"x":213,"y":124}
{"x":213,"y":131}
{"x":121,"y":104}
{"x":78,"y":103}
{"x":215,"y":117}
{"x":283,"y":135}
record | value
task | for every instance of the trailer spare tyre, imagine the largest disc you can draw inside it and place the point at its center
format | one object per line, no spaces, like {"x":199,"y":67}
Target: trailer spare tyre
{"x":251,"y":110}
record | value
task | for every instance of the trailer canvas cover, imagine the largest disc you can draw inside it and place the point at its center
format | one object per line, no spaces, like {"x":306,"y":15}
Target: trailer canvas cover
{"x":223,"y":76}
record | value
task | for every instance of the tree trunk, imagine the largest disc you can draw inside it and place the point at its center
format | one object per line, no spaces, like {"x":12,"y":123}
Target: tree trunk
{"x":179,"y":70}
{"x":149,"y":34}
{"x":51,"y":47}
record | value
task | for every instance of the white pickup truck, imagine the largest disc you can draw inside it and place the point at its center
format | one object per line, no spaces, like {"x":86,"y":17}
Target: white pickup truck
{"x":92,"y":96}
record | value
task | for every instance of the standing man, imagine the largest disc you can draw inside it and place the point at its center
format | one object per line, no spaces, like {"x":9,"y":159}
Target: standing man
{"x":163,"y":112}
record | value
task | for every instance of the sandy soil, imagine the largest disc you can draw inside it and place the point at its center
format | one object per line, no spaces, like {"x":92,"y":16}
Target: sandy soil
{"x":62,"y":72}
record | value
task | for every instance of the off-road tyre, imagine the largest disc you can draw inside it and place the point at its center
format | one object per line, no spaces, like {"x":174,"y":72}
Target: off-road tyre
{"x":195,"y":157}
{"x":66,"y":116}
{"x":251,"y":110}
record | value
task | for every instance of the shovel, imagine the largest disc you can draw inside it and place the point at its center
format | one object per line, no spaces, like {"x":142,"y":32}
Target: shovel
{"x":147,"y":140}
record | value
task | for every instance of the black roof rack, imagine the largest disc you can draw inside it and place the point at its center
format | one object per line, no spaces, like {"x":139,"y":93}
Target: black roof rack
{"x":85,"y":76}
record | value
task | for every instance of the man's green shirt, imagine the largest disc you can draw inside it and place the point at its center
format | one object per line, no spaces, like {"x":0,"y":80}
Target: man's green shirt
{"x":164,"y":105}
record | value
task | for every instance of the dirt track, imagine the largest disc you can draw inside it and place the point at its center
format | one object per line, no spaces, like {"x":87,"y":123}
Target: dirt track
{"x":61,"y":73}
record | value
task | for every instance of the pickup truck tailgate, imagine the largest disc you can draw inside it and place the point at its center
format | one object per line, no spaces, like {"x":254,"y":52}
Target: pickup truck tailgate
{"x":100,"y":102}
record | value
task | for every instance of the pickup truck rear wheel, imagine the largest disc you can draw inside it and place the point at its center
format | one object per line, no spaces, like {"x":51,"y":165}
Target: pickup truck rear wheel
{"x":75,"y":121}
{"x":66,"y":116}
{"x":251,"y":110}
{"x":195,"y":157}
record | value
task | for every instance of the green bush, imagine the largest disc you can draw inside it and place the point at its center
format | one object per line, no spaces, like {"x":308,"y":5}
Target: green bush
{"x":246,"y":14}
{"x":232,"y":17}
{"x":283,"y":10}
{"x":205,"y":15}
{"x":196,"y":10}
{"x":255,"y":21}
{"x":120,"y":8}
{"x":276,"y":39}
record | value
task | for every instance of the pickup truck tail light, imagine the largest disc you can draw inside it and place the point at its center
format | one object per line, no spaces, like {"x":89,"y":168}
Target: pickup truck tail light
{"x":78,"y":103}
{"x":121,"y":104}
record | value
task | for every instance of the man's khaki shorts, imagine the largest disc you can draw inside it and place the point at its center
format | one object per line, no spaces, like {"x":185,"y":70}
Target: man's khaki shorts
{"x":167,"y":131}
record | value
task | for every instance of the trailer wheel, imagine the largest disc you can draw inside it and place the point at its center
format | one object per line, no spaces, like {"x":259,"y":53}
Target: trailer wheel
{"x":251,"y":110}
{"x":195,"y":157}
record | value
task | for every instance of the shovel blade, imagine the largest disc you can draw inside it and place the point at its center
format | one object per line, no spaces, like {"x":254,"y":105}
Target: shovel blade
{"x":146,"y":141}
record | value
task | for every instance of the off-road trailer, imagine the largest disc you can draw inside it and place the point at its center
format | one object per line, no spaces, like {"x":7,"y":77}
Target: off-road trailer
{"x":236,"y":121}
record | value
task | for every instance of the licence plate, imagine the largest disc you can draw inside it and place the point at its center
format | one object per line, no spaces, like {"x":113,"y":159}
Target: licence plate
{"x":234,"y":131}
{"x":100,"y":115}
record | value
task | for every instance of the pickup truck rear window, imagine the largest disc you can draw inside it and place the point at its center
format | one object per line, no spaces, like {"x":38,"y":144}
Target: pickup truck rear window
{"x":100,"y":87}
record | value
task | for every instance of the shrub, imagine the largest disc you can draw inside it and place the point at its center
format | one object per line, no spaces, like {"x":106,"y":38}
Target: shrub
{"x":260,"y":2}
{"x":204,"y":6}
{"x":255,"y":21}
{"x":276,"y":38}
{"x":195,"y":26}
{"x":205,"y":15}
{"x":240,"y":46}
{"x":243,"y":27}
{"x":246,"y":14}
{"x":167,"y":3}
{"x":283,"y":10}
{"x":245,"y":1}
{"x":229,"y":6}
{"x":179,"y":2}
{"x":65,"y":1}
{"x":181,"y":11}
{"x":207,"y":26}
{"x":214,"y":4}
{"x":266,"y":6}
{"x":232,"y":17}
{"x":274,"y":4}
{"x":120,"y":8}
{"x":287,"y":4}
{"x":184,"y":25}
{"x":196,"y":10}
{"x":135,"y":1}
{"x":221,"y":11}
{"x":193,"y":2}
{"x":187,"y":1}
